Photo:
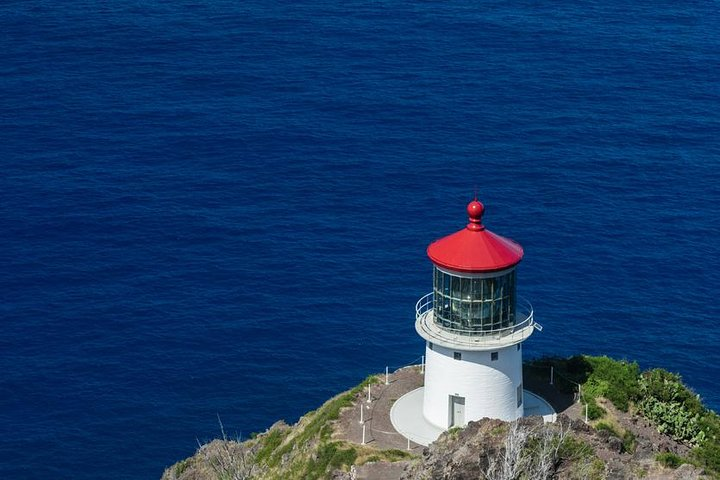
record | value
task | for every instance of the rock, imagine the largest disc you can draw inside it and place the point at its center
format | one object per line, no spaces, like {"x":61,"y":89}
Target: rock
{"x":617,"y":471}
{"x":666,"y":445}
{"x":688,"y":472}
{"x":645,"y":449}
{"x":577,"y":425}
{"x":614,"y":444}
{"x":340,"y":475}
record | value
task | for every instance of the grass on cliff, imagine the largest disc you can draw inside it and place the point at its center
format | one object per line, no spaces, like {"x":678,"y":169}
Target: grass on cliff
{"x":657,"y":394}
{"x":313,"y":425}
{"x":629,"y":441}
{"x":307,"y":450}
{"x":582,"y":455}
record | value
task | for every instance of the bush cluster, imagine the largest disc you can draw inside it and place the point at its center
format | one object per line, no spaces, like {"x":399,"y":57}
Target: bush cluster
{"x":629,"y":441}
{"x":658,"y":394}
{"x":671,"y":406}
{"x":670,"y":460}
{"x":615,"y":380}
{"x":329,"y":457}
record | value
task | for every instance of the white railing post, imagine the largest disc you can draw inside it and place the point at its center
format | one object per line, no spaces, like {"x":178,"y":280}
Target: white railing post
{"x":387,"y":379}
{"x":586,"y":412}
{"x":408,"y":447}
{"x":363,"y":439}
{"x":368,"y":399}
{"x":362,"y":408}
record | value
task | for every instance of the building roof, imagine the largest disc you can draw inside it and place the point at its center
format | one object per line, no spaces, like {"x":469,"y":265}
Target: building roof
{"x":475,"y":248}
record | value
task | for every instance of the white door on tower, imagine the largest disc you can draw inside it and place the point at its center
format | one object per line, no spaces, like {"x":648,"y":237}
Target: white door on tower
{"x":457,"y":411}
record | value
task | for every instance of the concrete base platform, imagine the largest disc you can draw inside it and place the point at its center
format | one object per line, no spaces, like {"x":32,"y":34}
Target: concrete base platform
{"x":407,"y":417}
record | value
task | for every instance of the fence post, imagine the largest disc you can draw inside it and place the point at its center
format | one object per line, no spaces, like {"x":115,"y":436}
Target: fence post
{"x":586,"y":412}
{"x":368,"y":399}
{"x":387,"y":382}
{"x":408,"y":447}
{"x":363,"y":439}
{"x":362,"y":408}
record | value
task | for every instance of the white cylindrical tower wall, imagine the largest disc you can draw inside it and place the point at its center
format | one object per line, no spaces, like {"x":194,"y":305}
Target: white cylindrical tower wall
{"x":491,"y":388}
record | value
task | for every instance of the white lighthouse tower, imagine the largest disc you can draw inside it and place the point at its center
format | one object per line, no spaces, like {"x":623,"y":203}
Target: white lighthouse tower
{"x":474,"y":325}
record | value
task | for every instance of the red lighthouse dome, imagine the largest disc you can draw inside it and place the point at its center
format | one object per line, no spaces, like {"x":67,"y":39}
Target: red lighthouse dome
{"x":475,"y":248}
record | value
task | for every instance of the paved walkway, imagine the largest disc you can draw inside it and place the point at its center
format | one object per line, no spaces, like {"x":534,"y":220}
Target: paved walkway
{"x":379,"y":431}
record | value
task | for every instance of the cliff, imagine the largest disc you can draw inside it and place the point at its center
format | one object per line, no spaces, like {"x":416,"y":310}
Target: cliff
{"x":640,"y":425}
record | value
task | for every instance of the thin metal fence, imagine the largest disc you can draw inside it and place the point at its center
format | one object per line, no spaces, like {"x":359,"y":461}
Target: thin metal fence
{"x":370,"y":400}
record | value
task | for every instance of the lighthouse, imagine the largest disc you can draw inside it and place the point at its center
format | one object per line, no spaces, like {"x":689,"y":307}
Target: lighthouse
{"x":474,"y":325}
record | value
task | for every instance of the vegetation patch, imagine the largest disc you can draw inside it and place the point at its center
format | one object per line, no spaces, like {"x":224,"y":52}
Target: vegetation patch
{"x":395,"y":455}
{"x":669,"y":460}
{"x":269,"y":443}
{"x":629,"y":441}
{"x":307,"y":450}
{"x":316,"y":424}
{"x":330,"y":456}
{"x":658,"y":395}
{"x":615,"y":380}
{"x":675,"y":410}
{"x":181,"y":466}
{"x":537,"y":451}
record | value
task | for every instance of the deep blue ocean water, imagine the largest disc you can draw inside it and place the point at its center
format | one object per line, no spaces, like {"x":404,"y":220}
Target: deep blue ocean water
{"x":222,"y":208}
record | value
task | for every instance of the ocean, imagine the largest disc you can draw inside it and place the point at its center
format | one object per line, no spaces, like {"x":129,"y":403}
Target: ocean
{"x":218,"y":209}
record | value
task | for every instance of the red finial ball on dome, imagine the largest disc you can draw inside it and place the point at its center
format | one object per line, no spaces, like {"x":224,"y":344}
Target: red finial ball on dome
{"x":475,"y":211}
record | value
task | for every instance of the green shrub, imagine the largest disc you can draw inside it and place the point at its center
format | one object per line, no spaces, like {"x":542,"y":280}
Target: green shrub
{"x":659,"y":395}
{"x":319,"y":421}
{"x":269,"y":442}
{"x":612,"y":379}
{"x":330,"y":457}
{"x":608,"y":428}
{"x":708,"y":456}
{"x":575,"y":449}
{"x":667,"y":387}
{"x":668,"y":459}
{"x":629,"y":442}
{"x":594,"y":411}
{"x":674,"y":420}
{"x":181,"y":466}
{"x":578,"y":367}
{"x":393,"y":455}
{"x":615,"y":380}
{"x":674,"y":409}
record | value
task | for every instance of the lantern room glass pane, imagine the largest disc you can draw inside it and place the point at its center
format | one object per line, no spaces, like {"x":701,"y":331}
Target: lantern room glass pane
{"x":473,"y":306}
